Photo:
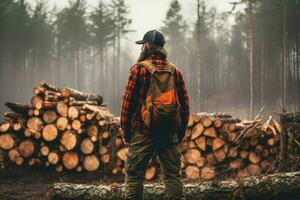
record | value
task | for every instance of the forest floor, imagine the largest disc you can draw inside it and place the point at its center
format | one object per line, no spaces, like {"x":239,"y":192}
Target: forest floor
{"x":17,"y":183}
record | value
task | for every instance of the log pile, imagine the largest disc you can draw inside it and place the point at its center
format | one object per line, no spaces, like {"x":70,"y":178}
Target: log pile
{"x":62,"y":128}
{"x":219,"y":145}
{"x":66,"y":129}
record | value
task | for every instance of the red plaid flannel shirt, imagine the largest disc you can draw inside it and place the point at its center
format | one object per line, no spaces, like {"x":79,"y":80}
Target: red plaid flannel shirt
{"x":135,"y":93}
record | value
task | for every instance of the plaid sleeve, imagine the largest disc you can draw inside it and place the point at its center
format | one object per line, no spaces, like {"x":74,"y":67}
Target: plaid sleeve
{"x":128,"y":101}
{"x":184,"y":103}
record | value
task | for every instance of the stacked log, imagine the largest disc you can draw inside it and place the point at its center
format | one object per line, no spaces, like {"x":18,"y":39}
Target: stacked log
{"x":65,"y":129}
{"x":218,"y":145}
{"x":62,"y":128}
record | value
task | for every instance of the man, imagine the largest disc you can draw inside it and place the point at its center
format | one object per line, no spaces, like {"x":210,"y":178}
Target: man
{"x":146,"y":140}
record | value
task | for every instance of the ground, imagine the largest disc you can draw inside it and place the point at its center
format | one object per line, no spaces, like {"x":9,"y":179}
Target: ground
{"x":17,"y":183}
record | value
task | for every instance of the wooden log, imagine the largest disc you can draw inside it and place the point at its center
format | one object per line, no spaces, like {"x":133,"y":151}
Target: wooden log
{"x":150,"y":173}
{"x":207,"y":121}
{"x":13,"y":154}
{"x":68,"y":140}
{"x":62,"y":123}
{"x":7,"y":141}
{"x":259,"y":148}
{"x":19,"y":160}
{"x":92,"y":131}
{"x":53,"y":157}
{"x":26,"y":148}
{"x":38,"y":90}
{"x":237,"y":163}
{"x":233,"y":152}
{"x":73,"y":112}
{"x":254,"y":157}
{"x":274,"y":186}
{"x":78,"y":95}
{"x":192,"y":156}
{"x":232,"y":136}
{"x":87,"y":146}
{"x":225,"y":148}
{"x":211,"y":159}
{"x":190,"y":122}
{"x":200,"y":142}
{"x":48,"y":86}
{"x":266,"y":164}
{"x":243,"y":173}
{"x":81,"y":103}
{"x":105,"y":158}
{"x":37,"y":112}
{"x":265,"y":153}
{"x":18,"y":108}
{"x":196,"y":118}
{"x":217,"y":143}
{"x":197,"y":131}
{"x":254,"y":169}
{"x":17,"y":126}
{"x":253,"y":141}
{"x":44,"y":150}
{"x":122,"y":153}
{"x":210,"y":132}
{"x":105,"y":135}
{"x":59,"y":168}
{"x":192,"y":172}
{"x":200,"y":162}
{"x":103,"y":150}
{"x":118,"y":142}
{"x":37,"y":102}
{"x":49,"y":116}
{"x":217,"y":123}
{"x":220,"y":155}
{"x":188,"y":133}
{"x":191,"y":145}
{"x":245,"y":144}
{"x":91,"y":163}
{"x":207,"y":173}
{"x":244,"y":154}
{"x":35,"y":123}
{"x":70,"y":160}
{"x":49,"y":132}
{"x":62,"y":108}
{"x":76,"y":124}
{"x":4,"y":126}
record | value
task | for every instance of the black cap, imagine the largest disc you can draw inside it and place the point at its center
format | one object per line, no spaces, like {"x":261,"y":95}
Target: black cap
{"x":153,"y":37}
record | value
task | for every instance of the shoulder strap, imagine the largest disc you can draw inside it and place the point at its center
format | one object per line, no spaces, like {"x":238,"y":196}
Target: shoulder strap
{"x":151,"y":68}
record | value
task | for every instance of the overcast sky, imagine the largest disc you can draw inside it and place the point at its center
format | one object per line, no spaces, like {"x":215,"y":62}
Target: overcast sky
{"x":149,"y":14}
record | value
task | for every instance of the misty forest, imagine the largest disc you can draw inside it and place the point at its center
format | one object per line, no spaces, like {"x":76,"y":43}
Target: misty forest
{"x":64,"y":68}
{"x":236,"y":67}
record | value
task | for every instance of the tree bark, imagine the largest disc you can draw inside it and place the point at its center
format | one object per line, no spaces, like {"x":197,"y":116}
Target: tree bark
{"x":275,"y":186}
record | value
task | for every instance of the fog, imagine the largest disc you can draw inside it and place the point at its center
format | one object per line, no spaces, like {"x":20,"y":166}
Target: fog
{"x":235,"y":58}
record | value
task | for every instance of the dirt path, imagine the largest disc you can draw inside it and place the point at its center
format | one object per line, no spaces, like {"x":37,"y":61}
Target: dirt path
{"x":30,"y":184}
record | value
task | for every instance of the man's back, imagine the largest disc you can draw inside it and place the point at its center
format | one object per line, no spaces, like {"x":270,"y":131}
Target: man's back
{"x":146,"y":141}
{"x":136,"y":91}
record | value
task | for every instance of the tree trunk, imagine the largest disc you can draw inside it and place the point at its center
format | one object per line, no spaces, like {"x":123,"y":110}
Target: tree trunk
{"x":275,"y":186}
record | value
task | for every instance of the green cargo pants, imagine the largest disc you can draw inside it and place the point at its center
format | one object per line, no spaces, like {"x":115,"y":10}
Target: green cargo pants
{"x":141,"y":149}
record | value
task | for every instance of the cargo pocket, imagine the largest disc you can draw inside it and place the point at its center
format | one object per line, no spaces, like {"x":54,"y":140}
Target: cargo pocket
{"x":131,"y":163}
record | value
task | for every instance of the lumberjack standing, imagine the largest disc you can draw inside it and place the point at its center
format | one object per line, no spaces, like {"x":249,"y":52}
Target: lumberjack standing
{"x":154,"y":116}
